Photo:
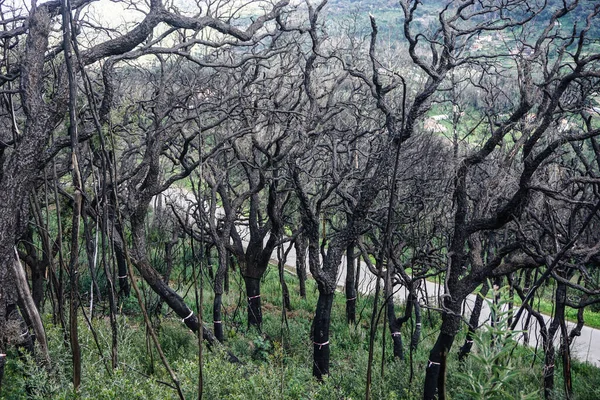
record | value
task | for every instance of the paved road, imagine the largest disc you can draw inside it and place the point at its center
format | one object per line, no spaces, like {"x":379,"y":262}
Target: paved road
{"x":584,"y":348}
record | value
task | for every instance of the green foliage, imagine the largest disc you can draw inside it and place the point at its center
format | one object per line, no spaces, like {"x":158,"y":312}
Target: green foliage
{"x":492,"y":372}
{"x":277,"y":363}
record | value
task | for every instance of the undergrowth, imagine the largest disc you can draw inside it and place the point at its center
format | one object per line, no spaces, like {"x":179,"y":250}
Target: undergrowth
{"x":275,"y":363}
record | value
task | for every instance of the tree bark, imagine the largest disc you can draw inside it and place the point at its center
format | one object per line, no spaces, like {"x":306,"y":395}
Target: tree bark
{"x":218,"y":317}
{"x":473,"y":323}
{"x":416,"y":336}
{"x":254,"y":306}
{"x":124,"y":288}
{"x":156,"y":282}
{"x":218,"y":286}
{"x":435,"y":373}
{"x":549,"y":350}
{"x":301,"y":247}
{"x":436,"y":366}
{"x":30,"y":308}
{"x":351,"y":294}
{"x":320,"y":332}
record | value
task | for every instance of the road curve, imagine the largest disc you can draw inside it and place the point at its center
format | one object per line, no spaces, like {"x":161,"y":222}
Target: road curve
{"x":584,"y":348}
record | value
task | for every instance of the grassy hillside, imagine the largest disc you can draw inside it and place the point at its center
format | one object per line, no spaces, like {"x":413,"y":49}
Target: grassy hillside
{"x":276,"y":363}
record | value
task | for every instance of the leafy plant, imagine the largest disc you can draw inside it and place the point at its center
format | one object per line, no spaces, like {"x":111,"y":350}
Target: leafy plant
{"x":491,"y":372}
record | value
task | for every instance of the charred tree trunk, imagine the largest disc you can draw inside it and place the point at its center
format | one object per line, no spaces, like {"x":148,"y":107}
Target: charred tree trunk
{"x":435,"y":373}
{"x":301,"y":244}
{"x":576,"y":331}
{"x":37,"y":284}
{"x":416,"y":335}
{"x":254,"y":303}
{"x":566,"y":360}
{"x":549,"y":350}
{"x":281,"y":268}
{"x":169,"y":261}
{"x":395,"y":328}
{"x":219,"y":280}
{"x":124,"y":288}
{"x":218,"y":317}
{"x":473,"y":323}
{"x":156,"y":282}
{"x":395,"y":324}
{"x":351,"y":294}
{"x":320,"y":332}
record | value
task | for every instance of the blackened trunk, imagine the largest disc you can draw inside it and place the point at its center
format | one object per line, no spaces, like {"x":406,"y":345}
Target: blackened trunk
{"x":112,"y":302}
{"x":526,"y":329}
{"x":351,"y":294}
{"x":158,"y":285}
{"x":124,"y":289}
{"x":172,"y":298}
{"x":395,"y":324}
{"x":168,"y":268}
{"x":576,"y":331}
{"x":301,"y":244}
{"x":217,"y":317}
{"x":397,"y":342}
{"x":36,"y":266}
{"x":74,"y":295}
{"x":169,"y":258}
{"x":566,"y":361}
{"x":321,"y":335}
{"x":473,"y":323}
{"x":416,"y":336}
{"x":435,"y":375}
{"x":254,"y":304}
{"x":549,"y":371}
{"x":231,"y":267}
{"x":219,"y":279}
{"x":436,"y":367}
{"x":37,"y":284}
{"x":557,"y":321}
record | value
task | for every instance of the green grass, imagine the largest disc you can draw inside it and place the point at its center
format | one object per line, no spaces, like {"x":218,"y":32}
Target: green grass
{"x":275,"y":364}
